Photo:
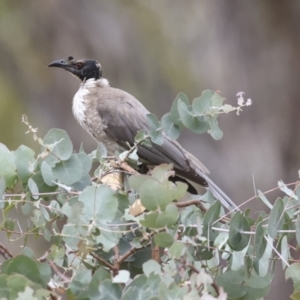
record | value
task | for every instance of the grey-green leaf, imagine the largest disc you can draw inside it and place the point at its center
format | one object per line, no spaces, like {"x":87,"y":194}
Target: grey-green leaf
{"x":276,"y":219}
{"x":8,"y":167}
{"x":24,"y":160}
{"x":163,"y":239}
{"x":100,"y":204}
{"x":68,"y":171}
{"x":238,"y":240}
{"x":210,"y":217}
{"x":201,"y":104}
{"x":172,"y":129}
{"x":259,"y":241}
{"x":59,"y":144}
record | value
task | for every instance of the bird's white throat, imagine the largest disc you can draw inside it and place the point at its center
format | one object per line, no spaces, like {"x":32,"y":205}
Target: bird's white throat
{"x":79,"y":106}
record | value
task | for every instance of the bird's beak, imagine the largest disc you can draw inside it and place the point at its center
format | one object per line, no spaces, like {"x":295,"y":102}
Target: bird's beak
{"x":61,"y":63}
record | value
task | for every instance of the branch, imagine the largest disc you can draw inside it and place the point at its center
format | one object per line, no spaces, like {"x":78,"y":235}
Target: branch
{"x":57,"y":272}
{"x":5,"y":252}
{"x":104,"y":262}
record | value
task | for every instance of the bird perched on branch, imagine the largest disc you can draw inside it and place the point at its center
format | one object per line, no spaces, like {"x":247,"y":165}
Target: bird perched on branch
{"x":114,"y":117}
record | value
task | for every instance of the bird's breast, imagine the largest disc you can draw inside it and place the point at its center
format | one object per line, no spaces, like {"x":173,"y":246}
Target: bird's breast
{"x":79,"y":105}
{"x":86,"y":113}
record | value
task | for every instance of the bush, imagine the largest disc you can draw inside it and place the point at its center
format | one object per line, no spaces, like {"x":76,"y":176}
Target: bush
{"x":123,"y":235}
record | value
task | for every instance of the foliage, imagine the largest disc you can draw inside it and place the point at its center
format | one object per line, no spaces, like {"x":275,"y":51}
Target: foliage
{"x":127,"y":235}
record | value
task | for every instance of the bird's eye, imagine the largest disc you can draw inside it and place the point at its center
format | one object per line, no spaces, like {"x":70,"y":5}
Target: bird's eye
{"x":79,"y":65}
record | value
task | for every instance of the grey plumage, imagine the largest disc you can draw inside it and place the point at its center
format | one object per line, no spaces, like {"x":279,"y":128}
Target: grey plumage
{"x":114,"y":117}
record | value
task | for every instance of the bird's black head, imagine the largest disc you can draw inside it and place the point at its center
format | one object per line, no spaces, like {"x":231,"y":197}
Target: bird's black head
{"x":84,"y":69}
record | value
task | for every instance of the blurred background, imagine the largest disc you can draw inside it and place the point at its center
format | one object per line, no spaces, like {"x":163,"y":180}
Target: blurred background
{"x":154,"y":50}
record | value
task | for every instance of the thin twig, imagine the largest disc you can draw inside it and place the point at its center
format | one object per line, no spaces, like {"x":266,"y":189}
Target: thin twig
{"x":5,"y":252}
{"x":104,"y":262}
{"x":57,"y":272}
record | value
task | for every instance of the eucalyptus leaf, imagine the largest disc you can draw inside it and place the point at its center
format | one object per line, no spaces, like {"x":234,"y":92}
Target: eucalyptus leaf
{"x":259,"y":241}
{"x":47,"y":174}
{"x":276,"y":218}
{"x":171,"y":128}
{"x":201,"y":104}
{"x":163,"y":239}
{"x":8,"y":167}
{"x":2,"y":191}
{"x":210,"y":217}
{"x":24,"y":160}
{"x":68,"y":171}
{"x":100,"y":204}
{"x":195,"y":124}
{"x":41,"y":185}
{"x":238,"y":239}
{"x":59,"y":145}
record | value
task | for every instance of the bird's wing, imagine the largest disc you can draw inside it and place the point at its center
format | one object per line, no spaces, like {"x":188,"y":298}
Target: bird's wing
{"x":123,"y":116}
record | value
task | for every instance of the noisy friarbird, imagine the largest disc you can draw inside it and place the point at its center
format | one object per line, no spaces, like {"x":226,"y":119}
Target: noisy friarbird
{"x":114,"y":117}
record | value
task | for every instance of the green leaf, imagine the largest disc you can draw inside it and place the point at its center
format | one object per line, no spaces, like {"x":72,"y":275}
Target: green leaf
{"x":298,"y":229}
{"x":33,"y":188}
{"x":47,"y":174}
{"x":100,"y":204}
{"x":59,"y":144}
{"x":232,"y":282}
{"x":86,"y":163}
{"x":171,"y":128}
{"x":293,"y":272}
{"x":101,"y":151}
{"x":155,"y":129}
{"x":258,"y":282}
{"x":109,"y":290}
{"x":8,"y":168}
{"x":237,"y":259}
{"x":71,"y":235}
{"x":261,"y":266}
{"x":177,"y":249}
{"x":80,"y":283}
{"x":168,"y":217}
{"x":28,"y":267}
{"x":264,"y":199}
{"x":283,"y":187}
{"x":142,"y":287}
{"x":44,"y":272}
{"x":41,"y":185}
{"x":260,"y":241}
{"x":93,"y":289}
{"x":212,"y":214}
{"x":201,"y":104}
{"x":140,"y":136}
{"x":162,"y":172}
{"x":174,"y":109}
{"x":195,"y":124}
{"x":150,"y":220}
{"x":214,"y":130}
{"x":216,"y":99}
{"x":68,"y":171}
{"x":238,"y":240}
{"x":163,"y":239}
{"x":284,"y":248}
{"x":295,"y":296}
{"x":155,"y":195}
{"x":276,"y":219}
{"x":152,"y":266}
{"x":136,"y":181}
{"x":24,"y":160}
{"x":2,"y":191}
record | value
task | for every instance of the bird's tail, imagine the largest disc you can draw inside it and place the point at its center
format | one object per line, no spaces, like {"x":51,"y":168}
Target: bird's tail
{"x":220,"y":195}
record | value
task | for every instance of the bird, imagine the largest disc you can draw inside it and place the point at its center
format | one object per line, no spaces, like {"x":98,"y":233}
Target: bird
{"x":114,"y":117}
